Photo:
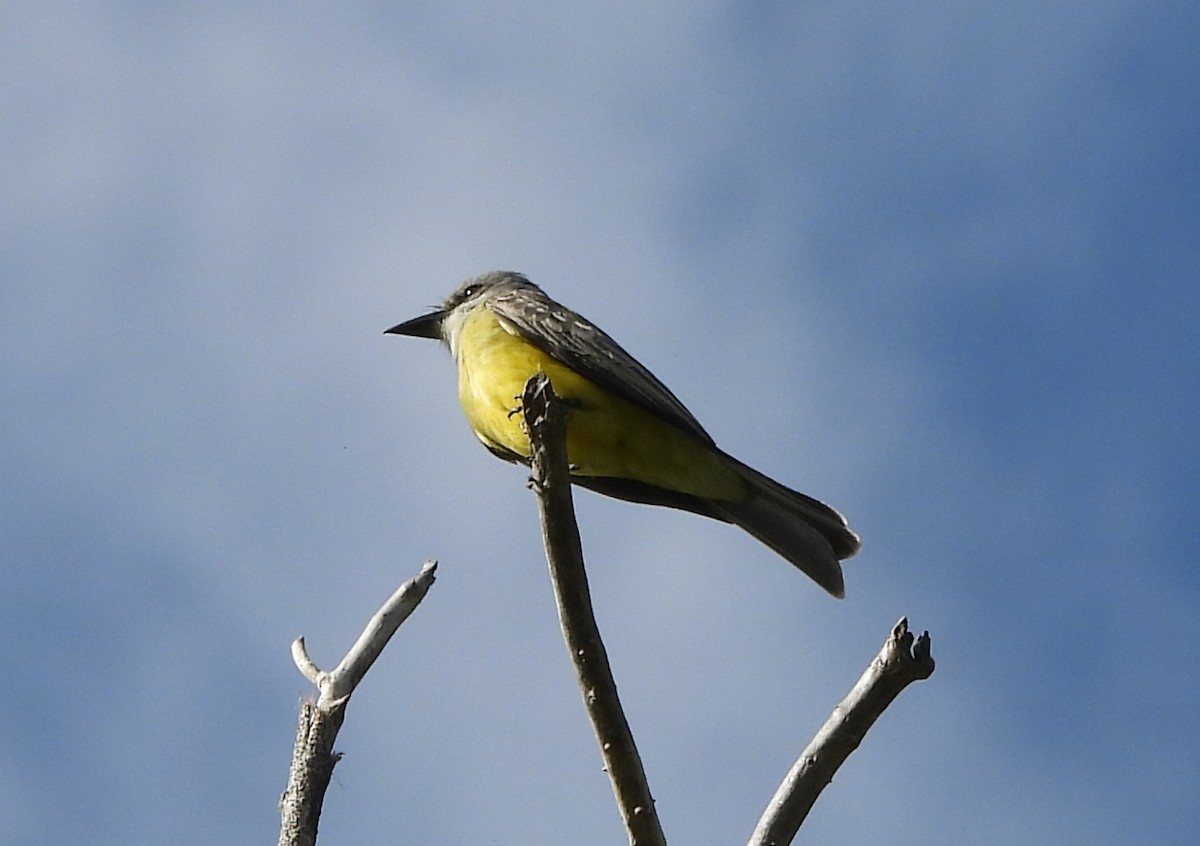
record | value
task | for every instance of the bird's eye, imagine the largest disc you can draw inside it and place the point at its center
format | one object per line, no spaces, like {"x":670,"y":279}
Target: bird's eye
{"x":470,"y":291}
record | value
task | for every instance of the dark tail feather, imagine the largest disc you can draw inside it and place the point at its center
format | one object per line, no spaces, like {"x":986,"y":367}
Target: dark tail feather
{"x":806,"y":532}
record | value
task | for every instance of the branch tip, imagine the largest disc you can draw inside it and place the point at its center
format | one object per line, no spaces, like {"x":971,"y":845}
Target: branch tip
{"x":304,"y":664}
{"x":899,"y":663}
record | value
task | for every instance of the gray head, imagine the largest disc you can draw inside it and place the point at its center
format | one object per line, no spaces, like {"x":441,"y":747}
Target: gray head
{"x":465,"y":297}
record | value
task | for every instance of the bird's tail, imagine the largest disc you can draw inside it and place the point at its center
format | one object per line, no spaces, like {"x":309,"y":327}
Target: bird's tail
{"x":806,"y":532}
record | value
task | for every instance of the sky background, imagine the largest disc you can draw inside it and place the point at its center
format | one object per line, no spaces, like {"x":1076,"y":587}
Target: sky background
{"x":937,"y":264}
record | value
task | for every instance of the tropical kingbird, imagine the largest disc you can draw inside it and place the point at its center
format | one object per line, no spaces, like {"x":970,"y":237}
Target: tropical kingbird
{"x":627,"y":435}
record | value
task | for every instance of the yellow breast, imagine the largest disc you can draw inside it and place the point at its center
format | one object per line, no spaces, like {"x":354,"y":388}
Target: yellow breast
{"x":606,"y":436}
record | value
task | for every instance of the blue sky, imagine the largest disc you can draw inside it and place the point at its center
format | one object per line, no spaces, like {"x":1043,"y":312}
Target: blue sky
{"x":935,"y":264}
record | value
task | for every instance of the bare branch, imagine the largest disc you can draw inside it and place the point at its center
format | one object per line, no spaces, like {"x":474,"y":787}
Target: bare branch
{"x":545,"y":422}
{"x":899,"y":663}
{"x":340,"y":682}
{"x":313,"y":758}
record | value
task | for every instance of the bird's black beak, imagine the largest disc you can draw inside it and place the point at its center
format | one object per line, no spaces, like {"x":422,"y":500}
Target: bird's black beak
{"x":425,"y":326}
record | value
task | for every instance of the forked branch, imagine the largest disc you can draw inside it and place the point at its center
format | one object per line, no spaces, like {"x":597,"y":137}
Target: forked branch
{"x":313,"y":758}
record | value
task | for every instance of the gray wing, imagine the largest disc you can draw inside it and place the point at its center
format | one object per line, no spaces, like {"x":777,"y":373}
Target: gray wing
{"x":586,"y":349}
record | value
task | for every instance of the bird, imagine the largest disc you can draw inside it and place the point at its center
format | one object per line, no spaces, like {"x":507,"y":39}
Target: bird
{"x":627,"y":435}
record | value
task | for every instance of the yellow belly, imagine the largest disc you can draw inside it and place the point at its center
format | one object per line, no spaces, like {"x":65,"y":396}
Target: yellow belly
{"x":606,"y":436}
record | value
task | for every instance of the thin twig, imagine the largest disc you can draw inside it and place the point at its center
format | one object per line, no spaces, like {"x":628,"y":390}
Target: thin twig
{"x":544,"y":420}
{"x":313,"y":758}
{"x":899,"y":663}
{"x":340,"y":682}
